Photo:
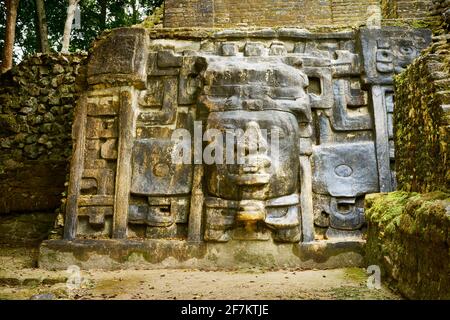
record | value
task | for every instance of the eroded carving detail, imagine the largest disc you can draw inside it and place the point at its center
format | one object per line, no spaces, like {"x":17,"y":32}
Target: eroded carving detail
{"x":330,"y":105}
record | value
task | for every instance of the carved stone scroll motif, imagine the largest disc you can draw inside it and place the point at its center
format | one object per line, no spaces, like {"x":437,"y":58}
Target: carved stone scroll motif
{"x":386,"y":52}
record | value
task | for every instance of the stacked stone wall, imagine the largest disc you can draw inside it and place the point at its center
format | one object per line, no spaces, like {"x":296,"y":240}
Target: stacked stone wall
{"x":37,"y":100}
{"x":265,"y":13}
{"x":405,"y":8}
{"x":422,"y":117}
{"x":298,"y":13}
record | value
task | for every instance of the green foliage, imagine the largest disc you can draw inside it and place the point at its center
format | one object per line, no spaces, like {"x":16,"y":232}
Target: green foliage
{"x":119,"y":13}
{"x":94,"y":20}
{"x":154,"y":19}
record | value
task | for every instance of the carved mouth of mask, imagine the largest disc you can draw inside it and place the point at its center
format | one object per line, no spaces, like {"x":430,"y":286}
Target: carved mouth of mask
{"x":251,"y":179}
{"x":251,"y":211}
{"x":253,"y":172}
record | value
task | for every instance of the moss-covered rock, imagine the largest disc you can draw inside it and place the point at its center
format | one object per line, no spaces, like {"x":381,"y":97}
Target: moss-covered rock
{"x":421,"y":125}
{"x":25,"y":229}
{"x":8,"y":124}
{"x":422,"y":115}
{"x":409,"y":238}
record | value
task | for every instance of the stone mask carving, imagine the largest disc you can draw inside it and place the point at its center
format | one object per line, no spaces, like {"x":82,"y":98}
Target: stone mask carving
{"x":322,"y":100}
{"x":263,"y":98}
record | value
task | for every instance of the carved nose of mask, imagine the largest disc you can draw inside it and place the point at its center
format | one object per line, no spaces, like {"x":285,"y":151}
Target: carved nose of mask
{"x":257,"y":163}
{"x":254,"y":161}
{"x":255,"y":150}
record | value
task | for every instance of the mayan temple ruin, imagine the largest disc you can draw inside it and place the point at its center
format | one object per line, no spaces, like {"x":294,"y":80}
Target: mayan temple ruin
{"x":256,"y":133}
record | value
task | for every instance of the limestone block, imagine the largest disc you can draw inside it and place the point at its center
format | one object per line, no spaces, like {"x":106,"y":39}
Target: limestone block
{"x":98,"y":181}
{"x":97,"y":128}
{"x":163,"y":94}
{"x":345,"y":214}
{"x":190,"y":82}
{"x":160,"y":211}
{"x":154,"y":172}
{"x":254,"y":49}
{"x":277,"y":48}
{"x":108,"y":150}
{"x":229,"y":49}
{"x":345,"y":170}
{"x":168,"y":59}
{"x":111,"y":57}
{"x":345,"y":64}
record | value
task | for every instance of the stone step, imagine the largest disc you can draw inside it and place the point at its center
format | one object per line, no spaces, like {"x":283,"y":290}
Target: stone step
{"x":176,"y":254}
{"x":31,"y":278}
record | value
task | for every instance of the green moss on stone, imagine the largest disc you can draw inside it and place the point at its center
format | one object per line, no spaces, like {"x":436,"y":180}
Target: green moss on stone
{"x":408,"y":237}
{"x":8,"y":124}
{"x":356,"y":274}
{"x":421,"y":136}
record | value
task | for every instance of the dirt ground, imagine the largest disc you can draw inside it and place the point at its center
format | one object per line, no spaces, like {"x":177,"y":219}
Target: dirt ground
{"x":18,"y":280}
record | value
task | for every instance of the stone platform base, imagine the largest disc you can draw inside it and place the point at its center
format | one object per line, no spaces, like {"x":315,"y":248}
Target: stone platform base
{"x":172,"y":254}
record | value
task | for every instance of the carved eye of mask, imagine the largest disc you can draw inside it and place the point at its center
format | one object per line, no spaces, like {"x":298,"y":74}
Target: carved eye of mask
{"x":406,"y":50}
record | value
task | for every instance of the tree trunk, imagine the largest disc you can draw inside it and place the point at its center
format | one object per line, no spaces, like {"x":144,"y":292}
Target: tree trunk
{"x":134,"y":11}
{"x":42,"y":26}
{"x":68,"y":26}
{"x":103,"y":7}
{"x":10,"y":34}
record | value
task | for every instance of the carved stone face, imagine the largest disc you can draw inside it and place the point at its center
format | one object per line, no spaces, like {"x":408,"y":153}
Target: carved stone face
{"x":256,"y":102}
{"x":264,"y":172}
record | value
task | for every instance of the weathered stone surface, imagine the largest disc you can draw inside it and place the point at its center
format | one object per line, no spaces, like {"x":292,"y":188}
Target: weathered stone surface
{"x":274,"y":129}
{"x":32,"y":186}
{"x":161,"y":254}
{"x":25,"y":229}
{"x":350,"y":108}
{"x":153,"y":170}
{"x":36,"y":114}
{"x":389,"y":50}
{"x":267,"y":13}
{"x":408,"y":236}
{"x":386,"y":52}
{"x":345,"y":170}
{"x":112,"y":56}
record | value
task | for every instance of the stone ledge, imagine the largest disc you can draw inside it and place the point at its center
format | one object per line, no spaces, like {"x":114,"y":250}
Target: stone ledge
{"x":172,"y":254}
{"x":325,"y":32}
